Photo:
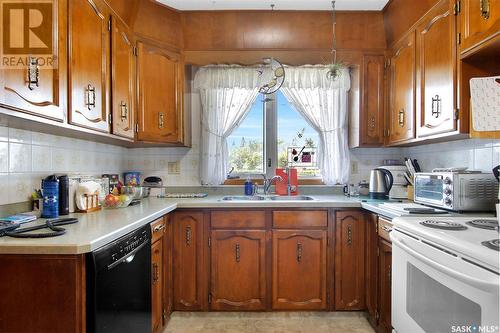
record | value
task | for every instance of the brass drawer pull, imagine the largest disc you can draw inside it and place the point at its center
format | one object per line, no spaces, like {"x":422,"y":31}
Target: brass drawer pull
{"x":386,"y":228}
{"x":237,"y":252}
{"x":90,"y":96}
{"x":484,"y":6}
{"x":188,"y":236}
{"x":123,"y":111}
{"x":33,"y":72}
{"x":401,"y":117}
{"x":299,"y":252}
{"x":160,"y":120}
{"x":159,"y":227}
{"x":349,"y":235}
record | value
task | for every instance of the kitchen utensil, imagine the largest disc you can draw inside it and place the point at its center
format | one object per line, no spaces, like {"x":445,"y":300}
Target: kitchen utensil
{"x":135,"y":192}
{"x":296,"y":158}
{"x":417,"y":166}
{"x":381,"y":181}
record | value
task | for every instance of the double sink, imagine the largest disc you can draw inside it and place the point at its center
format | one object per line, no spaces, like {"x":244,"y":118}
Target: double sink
{"x":263,"y":198}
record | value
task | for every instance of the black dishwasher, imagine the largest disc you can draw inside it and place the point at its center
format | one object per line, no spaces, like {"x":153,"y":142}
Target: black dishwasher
{"x":119,"y":285}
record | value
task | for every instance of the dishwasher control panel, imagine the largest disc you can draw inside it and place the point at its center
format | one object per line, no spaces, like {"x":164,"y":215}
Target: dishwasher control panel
{"x":127,"y":245}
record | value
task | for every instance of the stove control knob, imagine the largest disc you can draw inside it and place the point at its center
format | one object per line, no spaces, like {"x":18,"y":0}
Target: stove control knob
{"x":447,"y":180}
{"x":447,"y":201}
{"x":447,"y":191}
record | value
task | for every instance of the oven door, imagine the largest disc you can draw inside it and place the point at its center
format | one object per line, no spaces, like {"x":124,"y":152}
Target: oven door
{"x":437,"y":292}
{"x":429,"y":189}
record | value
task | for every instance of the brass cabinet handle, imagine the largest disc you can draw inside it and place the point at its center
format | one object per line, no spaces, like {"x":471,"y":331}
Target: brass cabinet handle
{"x":349,"y":235}
{"x":484,"y":6}
{"x":33,"y":72}
{"x":237,"y":252}
{"x":90,"y":96}
{"x":123,"y":111}
{"x":436,"y":106}
{"x":299,"y":252}
{"x":155,"y":273}
{"x":160,"y":120}
{"x":159,"y":227}
{"x":386,"y":228}
{"x":188,"y":235}
{"x":401,"y":117}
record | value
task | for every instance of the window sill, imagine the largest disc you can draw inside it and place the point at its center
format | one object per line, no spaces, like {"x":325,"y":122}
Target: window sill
{"x":241,"y":181}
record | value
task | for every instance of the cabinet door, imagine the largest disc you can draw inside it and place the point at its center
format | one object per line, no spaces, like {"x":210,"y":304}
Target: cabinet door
{"x":480,"y":21}
{"x":122,"y":79}
{"x":157,"y":284}
{"x":88,"y":64}
{"x":385,"y":266}
{"x":371,"y":265}
{"x":372,"y":101}
{"x":402,"y":92}
{"x":160,"y":95}
{"x":299,"y":270}
{"x":188,"y":261}
{"x":436,"y":71}
{"x":238,"y":270}
{"x":39,"y":86}
{"x":167,"y":269}
{"x":350,"y":261}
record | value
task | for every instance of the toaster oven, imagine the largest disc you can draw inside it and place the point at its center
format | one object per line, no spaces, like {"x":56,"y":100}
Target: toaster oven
{"x":457,"y":191}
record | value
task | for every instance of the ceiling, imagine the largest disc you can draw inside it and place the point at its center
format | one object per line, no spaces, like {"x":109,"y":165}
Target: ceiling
{"x":279,"y":4}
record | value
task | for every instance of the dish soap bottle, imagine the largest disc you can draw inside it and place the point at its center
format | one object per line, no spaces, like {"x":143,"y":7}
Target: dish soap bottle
{"x":248,"y":187}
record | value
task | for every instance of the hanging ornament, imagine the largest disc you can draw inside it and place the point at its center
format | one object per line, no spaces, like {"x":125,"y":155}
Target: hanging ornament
{"x":276,"y":76}
{"x":334,"y":67}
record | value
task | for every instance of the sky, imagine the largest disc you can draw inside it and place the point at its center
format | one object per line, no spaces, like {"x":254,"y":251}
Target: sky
{"x":290,"y":122}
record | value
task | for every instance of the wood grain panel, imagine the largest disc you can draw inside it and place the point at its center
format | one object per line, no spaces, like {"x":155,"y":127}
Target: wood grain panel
{"x":372,"y":101}
{"x":385,"y":286}
{"x":371,"y":265}
{"x":401,"y":15}
{"x":293,"y":30}
{"x":300,"y":219}
{"x":44,"y":293}
{"x":238,"y":219}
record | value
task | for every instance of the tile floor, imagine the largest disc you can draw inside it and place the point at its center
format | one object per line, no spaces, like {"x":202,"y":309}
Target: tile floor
{"x":268,"y":322}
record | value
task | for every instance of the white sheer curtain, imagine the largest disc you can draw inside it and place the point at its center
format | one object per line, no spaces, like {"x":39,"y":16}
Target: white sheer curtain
{"x":323,"y":104}
{"x":227,"y":93}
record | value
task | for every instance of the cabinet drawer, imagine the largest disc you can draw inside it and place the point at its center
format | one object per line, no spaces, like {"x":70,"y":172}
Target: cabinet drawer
{"x":157,"y":229}
{"x":384,"y":228}
{"x":294,"y":219}
{"x":240,"y":219}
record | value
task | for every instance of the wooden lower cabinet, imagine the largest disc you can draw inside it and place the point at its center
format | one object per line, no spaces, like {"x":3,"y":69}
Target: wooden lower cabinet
{"x":189,"y":273}
{"x":371,"y":267}
{"x":157,"y":284}
{"x":384,"y":293}
{"x":299,"y":270}
{"x":350,"y":260}
{"x":238,"y":270}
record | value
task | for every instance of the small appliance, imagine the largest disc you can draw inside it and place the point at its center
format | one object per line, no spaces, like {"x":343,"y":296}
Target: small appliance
{"x":381,"y":181}
{"x":457,"y":191}
{"x":398,"y":189}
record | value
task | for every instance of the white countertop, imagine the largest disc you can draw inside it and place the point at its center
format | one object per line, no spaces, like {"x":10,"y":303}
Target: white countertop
{"x":94,"y":230}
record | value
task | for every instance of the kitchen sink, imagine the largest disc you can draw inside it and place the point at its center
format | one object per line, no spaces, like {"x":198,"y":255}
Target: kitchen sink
{"x":263,"y":198}
{"x":292,"y":198}
{"x":243,"y":198}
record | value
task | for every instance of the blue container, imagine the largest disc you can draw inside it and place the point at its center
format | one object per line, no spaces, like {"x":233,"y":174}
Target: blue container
{"x":50,"y":187}
{"x":132,"y":178}
{"x":249,"y":188}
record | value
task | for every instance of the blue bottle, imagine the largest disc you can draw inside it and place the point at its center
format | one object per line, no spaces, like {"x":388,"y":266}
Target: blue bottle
{"x":50,"y":187}
{"x":248,"y":187}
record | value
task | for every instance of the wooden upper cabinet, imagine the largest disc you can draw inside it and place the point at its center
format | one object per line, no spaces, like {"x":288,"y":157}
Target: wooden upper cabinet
{"x":372,"y":101}
{"x":238,"y":270}
{"x":161,"y":84}
{"x":402,"y":91}
{"x":299,"y":270}
{"x":436,"y":71}
{"x":122,"y":79}
{"x":37,"y":87}
{"x":480,"y":22}
{"x":350,"y":260}
{"x":188,"y":260}
{"x":89,"y":22}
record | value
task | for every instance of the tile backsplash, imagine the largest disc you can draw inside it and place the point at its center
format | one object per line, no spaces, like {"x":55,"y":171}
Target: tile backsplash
{"x":26,"y":157}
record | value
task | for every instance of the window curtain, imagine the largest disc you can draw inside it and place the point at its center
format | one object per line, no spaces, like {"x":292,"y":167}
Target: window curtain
{"x":227,"y":94}
{"x":323,"y":104}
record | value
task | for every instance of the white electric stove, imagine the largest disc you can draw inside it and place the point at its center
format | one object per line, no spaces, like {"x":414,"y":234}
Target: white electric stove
{"x":445,"y":274}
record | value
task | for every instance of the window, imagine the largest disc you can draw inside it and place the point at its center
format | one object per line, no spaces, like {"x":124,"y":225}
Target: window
{"x":273,"y":135}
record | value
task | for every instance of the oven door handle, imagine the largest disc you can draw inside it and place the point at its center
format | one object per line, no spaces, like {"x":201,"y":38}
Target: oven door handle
{"x":480,"y":284}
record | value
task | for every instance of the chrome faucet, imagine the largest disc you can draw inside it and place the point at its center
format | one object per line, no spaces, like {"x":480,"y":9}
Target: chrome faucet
{"x":289,"y":186}
{"x":269,"y":182}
